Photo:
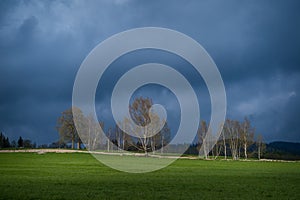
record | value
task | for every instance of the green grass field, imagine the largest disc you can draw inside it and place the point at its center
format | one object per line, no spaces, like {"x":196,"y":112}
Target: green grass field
{"x":80,"y":176}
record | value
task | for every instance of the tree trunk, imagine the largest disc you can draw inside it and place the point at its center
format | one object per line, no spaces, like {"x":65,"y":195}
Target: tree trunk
{"x":245,"y":151}
{"x":108,"y":145}
{"x":225,"y":150}
{"x":204,"y":149}
{"x":123,"y":142}
{"x":78,"y":144}
{"x":94,"y":144}
{"x":258,"y":152}
{"x":152,"y":145}
{"x":162,"y":144}
{"x":72,"y":142}
{"x":145,"y":141}
{"x":224,"y":144}
{"x":108,"y":139}
{"x":89,"y":139}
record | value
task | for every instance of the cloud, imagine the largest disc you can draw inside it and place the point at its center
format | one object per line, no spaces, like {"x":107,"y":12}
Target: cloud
{"x":270,"y":103}
{"x":255,"y":46}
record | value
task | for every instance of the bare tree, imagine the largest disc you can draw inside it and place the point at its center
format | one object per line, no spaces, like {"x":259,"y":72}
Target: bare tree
{"x":207,"y":146}
{"x":260,"y":146}
{"x":88,"y":131}
{"x":119,"y":135}
{"x":139,"y":111}
{"x":108,"y":135}
{"x":217,"y":149}
{"x":66,"y":125}
{"x":165,"y":136}
{"x":247,"y":134}
{"x":96,"y":135}
{"x":146,"y":138}
{"x":127,"y":140}
{"x":232,"y":130}
{"x":155,"y":137}
{"x":201,"y":133}
{"x":224,"y":142}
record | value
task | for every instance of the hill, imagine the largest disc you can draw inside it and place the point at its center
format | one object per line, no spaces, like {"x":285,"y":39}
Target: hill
{"x":283,"y":150}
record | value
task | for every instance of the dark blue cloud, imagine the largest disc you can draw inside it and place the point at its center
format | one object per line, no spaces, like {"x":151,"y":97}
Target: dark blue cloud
{"x":255,"y":45}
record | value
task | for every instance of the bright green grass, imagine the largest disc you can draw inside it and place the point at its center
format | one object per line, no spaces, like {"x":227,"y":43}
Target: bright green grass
{"x":80,"y":176}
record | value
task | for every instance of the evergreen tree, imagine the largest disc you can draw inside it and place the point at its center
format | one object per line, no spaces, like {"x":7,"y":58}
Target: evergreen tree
{"x":20,"y":142}
{"x":1,"y":140}
{"x":6,"y":143}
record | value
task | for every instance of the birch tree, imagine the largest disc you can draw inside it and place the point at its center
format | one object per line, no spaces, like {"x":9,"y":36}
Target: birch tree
{"x":165,"y":137}
{"x":247,"y":134}
{"x":139,"y":111}
{"x":155,"y":139}
{"x":223,"y":135}
{"x":97,"y":135}
{"x":232,"y":130}
{"x":119,"y":136}
{"x":201,"y":134}
{"x":108,"y":137}
{"x":260,"y":146}
{"x":147,"y":138}
{"x":127,"y":140}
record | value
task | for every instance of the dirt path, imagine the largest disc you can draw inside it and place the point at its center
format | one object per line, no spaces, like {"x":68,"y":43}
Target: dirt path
{"x":43,"y":151}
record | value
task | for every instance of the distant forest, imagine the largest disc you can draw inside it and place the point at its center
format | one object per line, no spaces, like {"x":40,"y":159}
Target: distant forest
{"x":273,"y":150}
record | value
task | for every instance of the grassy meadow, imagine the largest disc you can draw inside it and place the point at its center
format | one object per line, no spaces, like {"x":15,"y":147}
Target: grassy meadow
{"x":81,"y":176}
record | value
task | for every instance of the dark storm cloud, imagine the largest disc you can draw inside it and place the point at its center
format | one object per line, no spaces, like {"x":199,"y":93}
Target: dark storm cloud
{"x":254,"y":44}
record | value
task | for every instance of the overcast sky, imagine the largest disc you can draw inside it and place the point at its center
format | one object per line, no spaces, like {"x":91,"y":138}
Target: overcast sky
{"x":255,"y":45}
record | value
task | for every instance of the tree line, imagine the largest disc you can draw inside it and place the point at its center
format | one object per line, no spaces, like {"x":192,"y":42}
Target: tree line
{"x":20,"y":143}
{"x":237,"y":140}
{"x":115,"y":138}
{"x":4,"y":141}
